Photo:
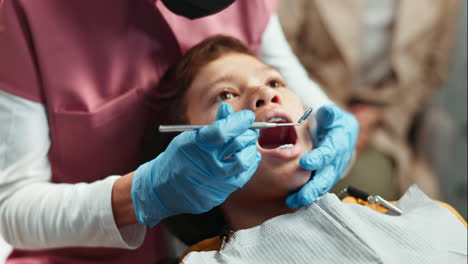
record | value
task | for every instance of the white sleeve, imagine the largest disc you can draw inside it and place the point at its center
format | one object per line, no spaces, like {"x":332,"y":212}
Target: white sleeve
{"x":38,"y":214}
{"x":275,"y":51}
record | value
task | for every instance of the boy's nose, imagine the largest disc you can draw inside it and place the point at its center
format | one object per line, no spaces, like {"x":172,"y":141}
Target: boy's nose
{"x":264,"y":96}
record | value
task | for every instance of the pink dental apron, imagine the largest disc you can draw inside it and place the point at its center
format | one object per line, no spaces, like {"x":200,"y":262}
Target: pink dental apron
{"x":91,"y":64}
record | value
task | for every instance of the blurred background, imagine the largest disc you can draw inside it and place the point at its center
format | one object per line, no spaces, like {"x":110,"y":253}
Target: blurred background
{"x":400,"y":66}
{"x":450,"y":164}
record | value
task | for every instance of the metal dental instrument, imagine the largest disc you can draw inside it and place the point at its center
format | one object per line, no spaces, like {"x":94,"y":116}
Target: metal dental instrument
{"x":379,"y":200}
{"x":256,"y":125}
{"x":372,"y":199}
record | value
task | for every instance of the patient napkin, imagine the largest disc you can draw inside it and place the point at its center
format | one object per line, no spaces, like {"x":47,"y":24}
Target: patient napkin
{"x":330,"y":231}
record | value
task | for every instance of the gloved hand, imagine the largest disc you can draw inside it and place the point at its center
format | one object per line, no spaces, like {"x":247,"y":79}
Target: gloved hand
{"x":193,"y":174}
{"x":336,"y":134}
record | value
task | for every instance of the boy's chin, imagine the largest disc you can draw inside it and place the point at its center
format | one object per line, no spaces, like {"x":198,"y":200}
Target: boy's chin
{"x":300,"y":178}
{"x":274,"y":187}
{"x":288,"y":182}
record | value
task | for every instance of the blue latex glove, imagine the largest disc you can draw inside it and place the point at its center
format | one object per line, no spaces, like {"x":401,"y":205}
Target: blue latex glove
{"x":336,"y":134}
{"x":192,"y":175}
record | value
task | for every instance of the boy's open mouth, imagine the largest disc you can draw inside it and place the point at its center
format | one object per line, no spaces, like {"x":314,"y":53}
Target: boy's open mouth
{"x":278,"y":137}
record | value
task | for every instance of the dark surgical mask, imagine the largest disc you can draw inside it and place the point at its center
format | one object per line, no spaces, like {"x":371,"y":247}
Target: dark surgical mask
{"x":194,"y":9}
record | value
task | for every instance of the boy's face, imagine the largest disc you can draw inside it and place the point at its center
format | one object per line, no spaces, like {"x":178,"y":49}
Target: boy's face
{"x":246,"y":83}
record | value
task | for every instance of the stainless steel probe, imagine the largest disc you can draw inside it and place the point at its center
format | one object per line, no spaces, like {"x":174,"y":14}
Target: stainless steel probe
{"x":255,"y":125}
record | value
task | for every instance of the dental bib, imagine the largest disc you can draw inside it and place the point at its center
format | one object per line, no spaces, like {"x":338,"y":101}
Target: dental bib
{"x":330,"y":231}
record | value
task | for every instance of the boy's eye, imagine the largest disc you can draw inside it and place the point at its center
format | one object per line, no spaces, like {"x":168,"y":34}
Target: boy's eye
{"x":223,"y":96}
{"x":274,"y":84}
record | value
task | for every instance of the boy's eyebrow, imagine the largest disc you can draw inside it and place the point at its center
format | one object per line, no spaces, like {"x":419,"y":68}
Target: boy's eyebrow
{"x":231,"y":78}
{"x":225,"y":78}
{"x":267,"y":67}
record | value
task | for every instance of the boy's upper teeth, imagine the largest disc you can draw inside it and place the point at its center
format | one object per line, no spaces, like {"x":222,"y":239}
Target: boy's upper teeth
{"x":276,"y":119}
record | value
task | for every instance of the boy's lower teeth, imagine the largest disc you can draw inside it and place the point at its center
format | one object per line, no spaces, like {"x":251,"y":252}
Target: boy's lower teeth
{"x":285,"y":146}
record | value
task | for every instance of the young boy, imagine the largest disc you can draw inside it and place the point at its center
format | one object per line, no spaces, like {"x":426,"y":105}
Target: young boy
{"x":220,"y":76}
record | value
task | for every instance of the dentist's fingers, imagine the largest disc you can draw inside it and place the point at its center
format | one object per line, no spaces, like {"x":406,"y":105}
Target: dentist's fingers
{"x":249,"y":137}
{"x":245,"y":163}
{"x":325,"y":153}
{"x":223,"y":130}
{"x":224,"y":110}
{"x":326,"y":116}
{"x":316,"y":187}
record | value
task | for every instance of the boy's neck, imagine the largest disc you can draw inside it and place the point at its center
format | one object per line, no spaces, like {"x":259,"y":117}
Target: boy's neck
{"x":248,"y":213}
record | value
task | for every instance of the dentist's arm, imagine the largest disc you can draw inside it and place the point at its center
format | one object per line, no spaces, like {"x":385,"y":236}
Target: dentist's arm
{"x":36,"y":213}
{"x":335,"y":134}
